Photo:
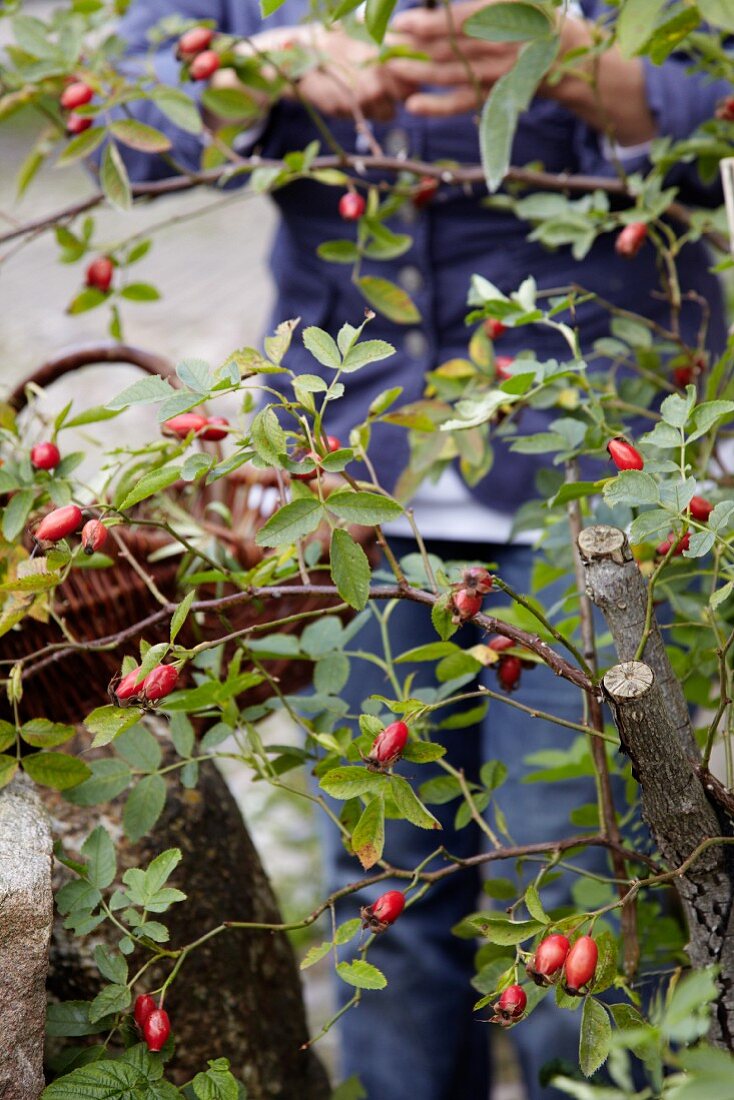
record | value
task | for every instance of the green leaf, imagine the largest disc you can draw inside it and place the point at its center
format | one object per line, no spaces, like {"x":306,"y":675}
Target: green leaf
{"x":635,"y":25}
{"x":595,"y":1038}
{"x":113,"y":178}
{"x":144,"y":806}
{"x":16,"y":513}
{"x":229,"y":103}
{"x":441,"y":617}
{"x":338,"y":252}
{"x":291,"y":522}
{"x":719,"y":13}
{"x":509,"y":97}
{"x":112,"y":999}
{"x":107,"y":723}
{"x":149,"y":484}
{"x":99,"y":853}
{"x":44,"y":734}
{"x":705,"y":416}
{"x":138,"y":135}
{"x":676,"y":409}
{"x":369,"y":351}
{"x":349,"y":782}
{"x":368,"y":835}
{"x":217,"y":1083}
{"x":160,"y":870}
{"x":178,"y":107}
{"x":507,"y":932}
{"x":508,"y":22}
{"x":350,"y":569}
{"x":111,"y":964}
{"x":140,"y":292}
{"x":110,"y":776}
{"x":8,"y":768}
{"x":315,"y":954}
{"x":633,"y":487}
{"x":69,"y":1019}
{"x":100,"y":1081}
{"x":323,"y":347}
{"x":363,"y":507}
{"x":389,"y":300}
{"x":56,"y":769}
{"x":268,"y":438}
{"x":534,"y":905}
{"x":410,"y":806}
{"x":423,"y":752}
{"x":147,"y":391}
{"x":361,"y":974}
{"x":181,"y":613}
{"x":377,"y":16}
{"x":83,"y":145}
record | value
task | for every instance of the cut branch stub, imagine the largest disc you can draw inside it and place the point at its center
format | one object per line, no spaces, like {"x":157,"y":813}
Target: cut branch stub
{"x":618,"y":589}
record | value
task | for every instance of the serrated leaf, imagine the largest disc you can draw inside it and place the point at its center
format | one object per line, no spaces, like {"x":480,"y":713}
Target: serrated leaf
{"x":8,"y":768}
{"x":111,"y":964}
{"x":178,"y":107}
{"x":15,"y":514}
{"x":315,"y":954}
{"x":217,"y":1083}
{"x":83,"y":145}
{"x":350,"y":569}
{"x":368,"y":835}
{"x":323,"y":347}
{"x":146,"y":391}
{"x":389,"y":300}
{"x":410,"y":806}
{"x":534,"y":905}
{"x":138,"y":135}
{"x":350,"y":782}
{"x":44,"y":734}
{"x":113,"y":178}
{"x":595,"y":1038}
{"x":291,"y":522}
{"x":423,"y":752}
{"x":361,"y":974}
{"x":441,"y":617}
{"x":633,"y":487}
{"x":507,"y":932}
{"x":56,"y":769}
{"x":110,"y":776}
{"x":369,"y":351}
{"x":363,"y":507}
{"x":107,"y":723}
{"x":99,"y":853}
{"x":268,"y":438}
{"x":181,"y":613}
{"x":144,"y":806}
{"x":508,"y":22}
{"x":149,"y":484}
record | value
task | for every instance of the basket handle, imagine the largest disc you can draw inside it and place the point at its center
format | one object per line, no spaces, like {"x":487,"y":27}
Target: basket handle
{"x":86,"y":356}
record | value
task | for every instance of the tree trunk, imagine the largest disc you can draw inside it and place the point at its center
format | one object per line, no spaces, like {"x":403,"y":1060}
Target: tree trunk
{"x":239,"y":995}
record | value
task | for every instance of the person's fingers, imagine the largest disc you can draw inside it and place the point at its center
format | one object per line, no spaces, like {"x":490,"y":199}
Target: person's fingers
{"x":421,"y":23}
{"x":456,"y":102}
{"x":425,"y":72}
{"x":442,"y":49}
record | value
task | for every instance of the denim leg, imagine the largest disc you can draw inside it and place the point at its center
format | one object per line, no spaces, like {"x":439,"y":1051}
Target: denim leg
{"x":417,"y":1039}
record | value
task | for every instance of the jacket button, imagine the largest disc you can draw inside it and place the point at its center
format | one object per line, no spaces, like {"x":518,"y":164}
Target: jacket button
{"x":410,"y":278}
{"x":416,"y":344}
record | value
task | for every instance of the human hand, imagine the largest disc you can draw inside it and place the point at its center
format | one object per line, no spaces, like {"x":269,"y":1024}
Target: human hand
{"x":468,"y":67}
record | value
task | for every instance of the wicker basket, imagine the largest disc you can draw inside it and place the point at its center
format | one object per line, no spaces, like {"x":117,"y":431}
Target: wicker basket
{"x":95,"y":604}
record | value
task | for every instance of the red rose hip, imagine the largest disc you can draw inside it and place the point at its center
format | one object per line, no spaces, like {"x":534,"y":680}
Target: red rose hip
{"x":700,"y":509}
{"x":511,"y":1005}
{"x":156,"y":1029}
{"x":204,"y":65}
{"x":45,"y":456}
{"x":580,"y":965}
{"x":94,"y":536}
{"x":509,"y":670}
{"x":76,"y":95}
{"x":624,"y":455}
{"x":502,"y":364}
{"x":183,"y":425}
{"x":194,"y":41}
{"x":351,"y":206}
{"x":466,"y":604}
{"x":494,"y":328}
{"x":387,"y":748}
{"x":77,"y":124}
{"x":333,"y":443}
{"x":501,"y":643}
{"x":100,"y":272}
{"x":127,"y":688}
{"x":549,"y":958}
{"x":59,"y":523}
{"x":630,"y":240}
{"x":217,"y":428}
{"x":159,"y":683}
{"x":384,"y":912}
{"x":144,"y":1005}
{"x":425,"y":192}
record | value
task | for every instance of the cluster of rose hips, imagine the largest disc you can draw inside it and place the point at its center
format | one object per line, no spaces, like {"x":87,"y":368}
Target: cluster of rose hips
{"x":193,"y":49}
{"x":387,"y":747}
{"x":152,"y":1021}
{"x":554,"y":959}
{"x":210,"y":428}
{"x":330,"y":444}
{"x":383,"y":912}
{"x":62,"y":522}
{"x":76,"y":94}
{"x":699,"y":509}
{"x":159,"y":682}
{"x":468,"y":595}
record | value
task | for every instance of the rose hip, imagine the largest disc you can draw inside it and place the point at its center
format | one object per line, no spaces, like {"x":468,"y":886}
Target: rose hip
{"x":156,"y":1029}
{"x":183,"y":425}
{"x":204,"y":65}
{"x":700,"y":509}
{"x":76,"y":95}
{"x":509,"y":670}
{"x":630,"y":240}
{"x":194,"y":41}
{"x":77,"y":124}
{"x":550,"y":955}
{"x":466,"y":604}
{"x":387,"y":748}
{"x":351,"y":206}
{"x":59,"y":523}
{"x":624,"y":455}
{"x":45,"y":456}
{"x":511,"y":1005}
{"x":128,"y":687}
{"x":144,"y":1005}
{"x":494,"y":328}
{"x":384,"y":912}
{"x":94,"y":536}
{"x":217,"y":428}
{"x":159,"y":683}
{"x":100,"y":273}
{"x":580,"y":965}
{"x":502,"y":364}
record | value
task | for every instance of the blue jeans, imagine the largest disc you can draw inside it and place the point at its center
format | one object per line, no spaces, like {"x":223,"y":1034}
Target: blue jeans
{"x":418,"y":1039}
